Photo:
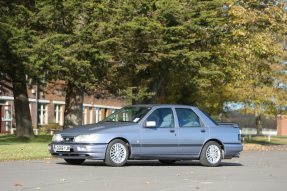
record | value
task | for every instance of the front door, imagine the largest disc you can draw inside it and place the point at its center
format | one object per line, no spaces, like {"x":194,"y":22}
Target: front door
{"x":6,"y":119}
{"x":161,"y":140}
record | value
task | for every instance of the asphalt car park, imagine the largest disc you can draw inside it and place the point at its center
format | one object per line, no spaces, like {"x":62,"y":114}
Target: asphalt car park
{"x":254,"y":170}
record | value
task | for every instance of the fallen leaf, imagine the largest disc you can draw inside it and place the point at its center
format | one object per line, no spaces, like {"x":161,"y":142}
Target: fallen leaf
{"x":62,"y":180}
{"x":198,"y":187}
{"x":80,"y":181}
{"x":147,"y":182}
{"x":18,"y":156}
{"x":191,"y":172}
{"x":46,"y":161}
{"x":96,"y":166}
{"x":177,"y":175}
{"x":141,"y":167}
{"x":185,"y":179}
{"x":18,"y":184}
{"x":38,"y":188}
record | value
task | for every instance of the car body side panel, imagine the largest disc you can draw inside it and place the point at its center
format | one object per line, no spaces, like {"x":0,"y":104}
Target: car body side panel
{"x":159,"y":141}
{"x":191,"y":140}
{"x":228,"y":136}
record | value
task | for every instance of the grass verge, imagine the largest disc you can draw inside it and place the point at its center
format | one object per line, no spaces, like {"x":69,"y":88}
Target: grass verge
{"x":24,"y":148}
{"x":264,"y":140}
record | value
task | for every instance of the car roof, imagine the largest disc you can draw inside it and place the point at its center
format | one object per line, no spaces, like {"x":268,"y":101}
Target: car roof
{"x":158,"y":105}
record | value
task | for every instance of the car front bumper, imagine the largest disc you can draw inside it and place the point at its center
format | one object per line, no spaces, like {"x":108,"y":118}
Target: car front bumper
{"x":79,"y":151}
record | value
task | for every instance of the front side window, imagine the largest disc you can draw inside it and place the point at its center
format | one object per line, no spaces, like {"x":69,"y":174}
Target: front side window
{"x":128,"y":114}
{"x":162,"y":117}
{"x":187,"y":118}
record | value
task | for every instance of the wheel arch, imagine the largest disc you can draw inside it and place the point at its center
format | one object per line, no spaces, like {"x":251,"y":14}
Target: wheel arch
{"x":124,"y":140}
{"x":215,"y":140}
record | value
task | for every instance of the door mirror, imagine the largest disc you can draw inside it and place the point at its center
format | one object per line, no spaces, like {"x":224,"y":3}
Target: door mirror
{"x":150,"y":124}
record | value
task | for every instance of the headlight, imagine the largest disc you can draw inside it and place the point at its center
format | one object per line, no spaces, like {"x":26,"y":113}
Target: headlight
{"x":57,"y":138}
{"x":86,"y":138}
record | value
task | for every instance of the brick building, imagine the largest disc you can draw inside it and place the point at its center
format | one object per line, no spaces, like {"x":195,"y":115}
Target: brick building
{"x":51,"y":106}
{"x":281,"y":125}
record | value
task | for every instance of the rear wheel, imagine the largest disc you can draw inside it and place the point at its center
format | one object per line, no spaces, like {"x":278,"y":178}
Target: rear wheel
{"x":211,"y":154}
{"x":117,"y":153}
{"x":75,"y":161}
{"x":167,"y":161}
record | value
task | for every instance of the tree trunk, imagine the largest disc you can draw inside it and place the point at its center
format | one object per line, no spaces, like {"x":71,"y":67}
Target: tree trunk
{"x":153,"y":88}
{"x":162,"y":90}
{"x":22,"y":110}
{"x":74,"y":106}
{"x":258,"y":121}
{"x":135,"y":91}
{"x":220,"y":118}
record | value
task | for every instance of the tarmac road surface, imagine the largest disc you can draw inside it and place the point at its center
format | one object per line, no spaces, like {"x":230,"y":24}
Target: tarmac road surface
{"x":254,"y":170}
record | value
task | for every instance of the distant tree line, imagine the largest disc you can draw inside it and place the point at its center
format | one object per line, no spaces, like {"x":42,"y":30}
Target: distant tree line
{"x":202,"y":53}
{"x":247,"y":120}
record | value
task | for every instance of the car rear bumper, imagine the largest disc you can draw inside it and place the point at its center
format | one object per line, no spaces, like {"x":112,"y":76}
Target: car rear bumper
{"x":231,"y":150}
{"x":92,"y":151}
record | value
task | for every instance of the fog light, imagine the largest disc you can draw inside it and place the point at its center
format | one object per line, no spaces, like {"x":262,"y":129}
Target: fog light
{"x":49,"y":147}
{"x":82,"y":149}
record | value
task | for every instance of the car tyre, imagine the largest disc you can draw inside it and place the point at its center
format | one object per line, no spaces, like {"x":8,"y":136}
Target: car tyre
{"x":211,"y":154}
{"x":75,"y":161}
{"x":167,"y":162}
{"x":117,"y":153}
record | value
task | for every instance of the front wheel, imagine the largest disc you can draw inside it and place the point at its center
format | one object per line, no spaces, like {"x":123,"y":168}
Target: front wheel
{"x":117,"y":153}
{"x":211,"y":154}
{"x":75,"y":161}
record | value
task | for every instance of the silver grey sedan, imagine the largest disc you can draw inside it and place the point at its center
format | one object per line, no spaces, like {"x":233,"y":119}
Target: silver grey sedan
{"x":168,"y":133}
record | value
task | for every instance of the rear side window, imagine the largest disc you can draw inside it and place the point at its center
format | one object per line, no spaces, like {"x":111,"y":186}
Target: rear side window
{"x":209,"y":117}
{"x":187,"y":118}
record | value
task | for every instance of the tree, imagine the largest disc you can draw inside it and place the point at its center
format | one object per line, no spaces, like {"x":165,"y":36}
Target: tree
{"x":255,"y":26}
{"x":16,"y":42}
{"x":156,"y":39}
{"x":70,"y":51}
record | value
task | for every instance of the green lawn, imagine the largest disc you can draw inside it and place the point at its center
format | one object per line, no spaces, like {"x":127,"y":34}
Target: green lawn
{"x":264,"y":139}
{"x":24,"y":148}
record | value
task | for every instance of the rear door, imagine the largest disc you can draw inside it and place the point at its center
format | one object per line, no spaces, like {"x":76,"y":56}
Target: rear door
{"x":162,"y":139}
{"x":192,"y":132}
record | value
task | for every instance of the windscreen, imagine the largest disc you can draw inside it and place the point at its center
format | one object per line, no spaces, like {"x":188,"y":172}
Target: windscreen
{"x":128,"y":114}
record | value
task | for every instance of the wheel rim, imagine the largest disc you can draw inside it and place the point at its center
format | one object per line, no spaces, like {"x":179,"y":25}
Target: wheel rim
{"x":213,"y":154}
{"x":118,"y":153}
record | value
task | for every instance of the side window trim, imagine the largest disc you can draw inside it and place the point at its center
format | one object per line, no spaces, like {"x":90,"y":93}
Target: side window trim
{"x":201,"y":124}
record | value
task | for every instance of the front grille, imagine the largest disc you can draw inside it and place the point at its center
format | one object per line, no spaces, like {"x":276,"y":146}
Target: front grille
{"x":70,"y":155}
{"x":67,"y":139}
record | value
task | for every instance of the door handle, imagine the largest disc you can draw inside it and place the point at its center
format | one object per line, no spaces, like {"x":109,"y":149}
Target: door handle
{"x":172,"y":131}
{"x":202,"y":130}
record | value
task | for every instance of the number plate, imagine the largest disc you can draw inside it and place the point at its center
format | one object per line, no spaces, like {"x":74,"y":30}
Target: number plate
{"x":62,"y":148}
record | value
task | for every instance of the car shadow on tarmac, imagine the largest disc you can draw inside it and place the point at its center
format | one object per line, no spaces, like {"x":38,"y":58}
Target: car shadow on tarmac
{"x":150,"y":163}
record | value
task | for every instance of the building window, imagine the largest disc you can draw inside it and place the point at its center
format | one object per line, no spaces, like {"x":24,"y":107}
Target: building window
{"x":125,"y":116}
{"x":84,"y":116}
{"x":43,"y":113}
{"x":58,"y":114}
{"x":97,"y":115}
{"x":90,"y":116}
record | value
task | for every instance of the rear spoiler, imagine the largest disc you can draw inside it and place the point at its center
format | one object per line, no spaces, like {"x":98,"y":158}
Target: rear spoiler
{"x":236,"y":125}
